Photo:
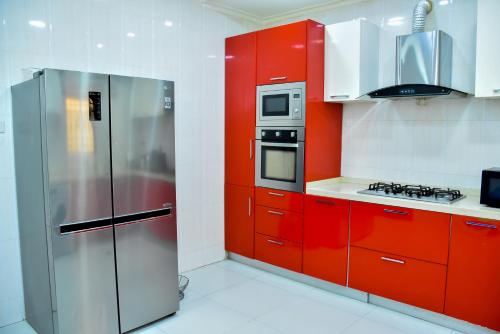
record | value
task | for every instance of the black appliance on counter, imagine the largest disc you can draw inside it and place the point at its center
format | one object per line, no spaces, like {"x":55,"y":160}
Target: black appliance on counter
{"x":490,"y":187}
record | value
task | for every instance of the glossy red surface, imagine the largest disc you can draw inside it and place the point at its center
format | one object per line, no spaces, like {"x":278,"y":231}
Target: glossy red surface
{"x":324,"y":120}
{"x":326,"y":235}
{"x":279,"y":252}
{"x":413,"y":233}
{"x":239,"y":220}
{"x":278,"y":223}
{"x":414,"y":282}
{"x":240,"y":109}
{"x":279,"y":199}
{"x":281,"y":53}
{"x":473,"y":289}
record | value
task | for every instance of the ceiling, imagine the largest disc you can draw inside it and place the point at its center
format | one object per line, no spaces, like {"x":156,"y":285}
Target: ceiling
{"x":268,"y":10}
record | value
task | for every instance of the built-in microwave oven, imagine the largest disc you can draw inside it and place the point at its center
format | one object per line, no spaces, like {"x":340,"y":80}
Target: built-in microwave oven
{"x":279,"y":158}
{"x":490,"y":187}
{"x":281,"y":104}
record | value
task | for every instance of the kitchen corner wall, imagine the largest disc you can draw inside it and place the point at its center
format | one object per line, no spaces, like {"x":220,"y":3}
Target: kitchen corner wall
{"x":177,"y":40}
{"x":444,"y":143}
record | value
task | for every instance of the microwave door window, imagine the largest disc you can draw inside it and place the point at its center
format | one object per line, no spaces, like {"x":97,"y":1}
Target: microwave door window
{"x":279,"y":164}
{"x":275,"y":105}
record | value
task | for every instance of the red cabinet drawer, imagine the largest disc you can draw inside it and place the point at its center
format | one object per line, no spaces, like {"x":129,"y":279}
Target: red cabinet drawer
{"x":413,"y":233}
{"x":282,"y":54}
{"x":279,"y":199}
{"x":278,"y":223}
{"x":410,"y":281}
{"x":279,"y":252}
{"x":326,"y":235}
{"x":473,"y":284}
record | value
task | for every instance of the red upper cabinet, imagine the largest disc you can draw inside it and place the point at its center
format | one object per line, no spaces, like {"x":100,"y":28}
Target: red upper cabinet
{"x":473,"y":285}
{"x":239,"y":220}
{"x":326,"y":235}
{"x":240,"y":109}
{"x":282,"y":54}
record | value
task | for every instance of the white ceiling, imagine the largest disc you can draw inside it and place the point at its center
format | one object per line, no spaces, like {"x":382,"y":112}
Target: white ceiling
{"x":264,"y":10}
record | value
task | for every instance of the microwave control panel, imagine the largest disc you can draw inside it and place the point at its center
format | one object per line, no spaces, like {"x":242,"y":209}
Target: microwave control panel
{"x":296,"y":104}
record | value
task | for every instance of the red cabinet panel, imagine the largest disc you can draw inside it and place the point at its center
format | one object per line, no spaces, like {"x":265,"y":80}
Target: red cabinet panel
{"x":278,"y":223}
{"x":473,"y":285}
{"x":279,"y":199}
{"x":240,"y":109}
{"x":239,"y":220}
{"x":279,"y":252}
{"x":410,"y":281}
{"x":326,"y":235}
{"x":408,"y":232}
{"x":282,"y":54}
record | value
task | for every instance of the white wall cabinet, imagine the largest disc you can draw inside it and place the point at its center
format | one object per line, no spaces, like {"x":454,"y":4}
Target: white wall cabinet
{"x":488,"y":49}
{"x":351,"y":60}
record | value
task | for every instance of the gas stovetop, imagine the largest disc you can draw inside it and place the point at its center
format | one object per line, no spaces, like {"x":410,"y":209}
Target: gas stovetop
{"x":414,"y":192}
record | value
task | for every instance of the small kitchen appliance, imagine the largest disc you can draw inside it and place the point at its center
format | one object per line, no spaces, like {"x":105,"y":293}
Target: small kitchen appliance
{"x":281,"y":104}
{"x":490,"y":187}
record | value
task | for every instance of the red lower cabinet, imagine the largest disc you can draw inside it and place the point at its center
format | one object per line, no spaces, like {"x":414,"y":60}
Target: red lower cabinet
{"x":239,"y":220}
{"x":473,"y":286}
{"x":326,"y":235}
{"x":410,"y":281}
{"x":279,"y":252}
{"x":278,"y":223}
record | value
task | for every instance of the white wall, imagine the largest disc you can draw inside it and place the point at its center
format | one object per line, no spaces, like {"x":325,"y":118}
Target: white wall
{"x":190,"y":52}
{"x":446,"y":142}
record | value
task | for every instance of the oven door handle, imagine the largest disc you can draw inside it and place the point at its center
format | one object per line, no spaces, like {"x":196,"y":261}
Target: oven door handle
{"x":296,"y":145}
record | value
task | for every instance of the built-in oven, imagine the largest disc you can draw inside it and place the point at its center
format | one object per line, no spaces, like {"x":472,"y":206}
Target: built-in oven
{"x":281,"y":104}
{"x":279,"y":158}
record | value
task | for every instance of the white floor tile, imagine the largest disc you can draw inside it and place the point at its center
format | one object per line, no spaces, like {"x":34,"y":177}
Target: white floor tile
{"x":254,"y":298}
{"x":17,"y":328}
{"x":148,"y":330}
{"x":207,"y":317}
{"x":253,"y":327}
{"x":240,"y":268}
{"x":366,"y":326}
{"x":212,"y":278}
{"x":307,"y":316}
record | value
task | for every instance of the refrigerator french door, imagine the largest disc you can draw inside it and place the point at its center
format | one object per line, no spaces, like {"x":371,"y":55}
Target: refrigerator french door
{"x":95,"y":160}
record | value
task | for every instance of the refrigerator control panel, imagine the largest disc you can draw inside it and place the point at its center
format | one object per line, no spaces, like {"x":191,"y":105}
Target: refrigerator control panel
{"x":95,"y":106}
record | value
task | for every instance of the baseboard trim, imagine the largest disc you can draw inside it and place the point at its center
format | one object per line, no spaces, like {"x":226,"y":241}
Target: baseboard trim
{"x":416,"y":312}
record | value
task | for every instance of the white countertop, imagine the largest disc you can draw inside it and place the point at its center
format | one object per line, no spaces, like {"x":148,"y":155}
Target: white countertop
{"x":345,"y":188}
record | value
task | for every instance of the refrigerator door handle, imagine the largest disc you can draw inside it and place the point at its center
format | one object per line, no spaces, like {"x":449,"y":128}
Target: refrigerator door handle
{"x":84,"y":226}
{"x":142,"y":216}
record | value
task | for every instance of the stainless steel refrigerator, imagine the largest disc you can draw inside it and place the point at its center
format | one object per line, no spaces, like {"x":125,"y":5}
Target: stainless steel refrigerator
{"x":95,"y":176}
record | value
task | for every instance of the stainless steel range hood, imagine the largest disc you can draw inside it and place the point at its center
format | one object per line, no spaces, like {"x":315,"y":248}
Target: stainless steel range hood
{"x":423,"y":67}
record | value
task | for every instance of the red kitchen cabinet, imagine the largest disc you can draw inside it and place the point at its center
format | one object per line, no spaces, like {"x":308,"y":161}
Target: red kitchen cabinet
{"x":281,"y":54}
{"x":239,"y":220}
{"x":413,"y":233}
{"x":240,"y":109}
{"x":278,"y":223}
{"x":279,"y":252}
{"x":407,"y":280}
{"x":326,"y":235}
{"x":473,"y":284}
{"x":280,"y":199}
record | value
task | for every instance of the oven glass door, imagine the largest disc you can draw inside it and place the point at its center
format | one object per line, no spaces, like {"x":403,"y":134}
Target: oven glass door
{"x":280,"y":166}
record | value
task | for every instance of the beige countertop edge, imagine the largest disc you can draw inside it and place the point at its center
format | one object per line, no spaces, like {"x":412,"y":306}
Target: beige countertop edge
{"x":346,"y":188}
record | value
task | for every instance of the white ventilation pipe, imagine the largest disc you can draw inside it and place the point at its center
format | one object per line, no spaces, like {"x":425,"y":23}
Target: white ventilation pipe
{"x":420,"y":12}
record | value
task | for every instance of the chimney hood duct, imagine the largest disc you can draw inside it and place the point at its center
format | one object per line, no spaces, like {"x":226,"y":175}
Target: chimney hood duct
{"x":423,"y":61}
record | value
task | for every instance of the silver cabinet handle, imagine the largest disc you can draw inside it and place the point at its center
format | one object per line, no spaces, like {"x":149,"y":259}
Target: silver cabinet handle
{"x":275,"y":212}
{"x":249,"y":206}
{"x":396,"y":212}
{"x":251,"y":149}
{"x":322,"y":201}
{"x":496,"y":90}
{"x":339,"y":96}
{"x":471,"y":223}
{"x":276,"y":194}
{"x":277,"y":78}
{"x":388,"y":259}
{"x":279,"y":243}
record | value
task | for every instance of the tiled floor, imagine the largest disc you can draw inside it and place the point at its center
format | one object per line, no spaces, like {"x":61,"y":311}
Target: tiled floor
{"x":229,"y":297}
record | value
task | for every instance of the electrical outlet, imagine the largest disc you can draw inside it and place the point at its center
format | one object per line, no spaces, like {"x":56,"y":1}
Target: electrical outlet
{"x":2,"y":126}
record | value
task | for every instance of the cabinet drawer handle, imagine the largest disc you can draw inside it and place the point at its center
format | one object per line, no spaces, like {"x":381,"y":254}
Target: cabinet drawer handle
{"x":396,"y":212}
{"x":340,"y":96}
{"x":496,"y":90}
{"x":322,"y":201}
{"x":249,"y":206}
{"x":388,"y":259}
{"x":276,"y":194}
{"x":275,"y":212}
{"x":277,"y":78}
{"x":251,"y":149}
{"x":279,"y":243}
{"x":471,"y":223}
